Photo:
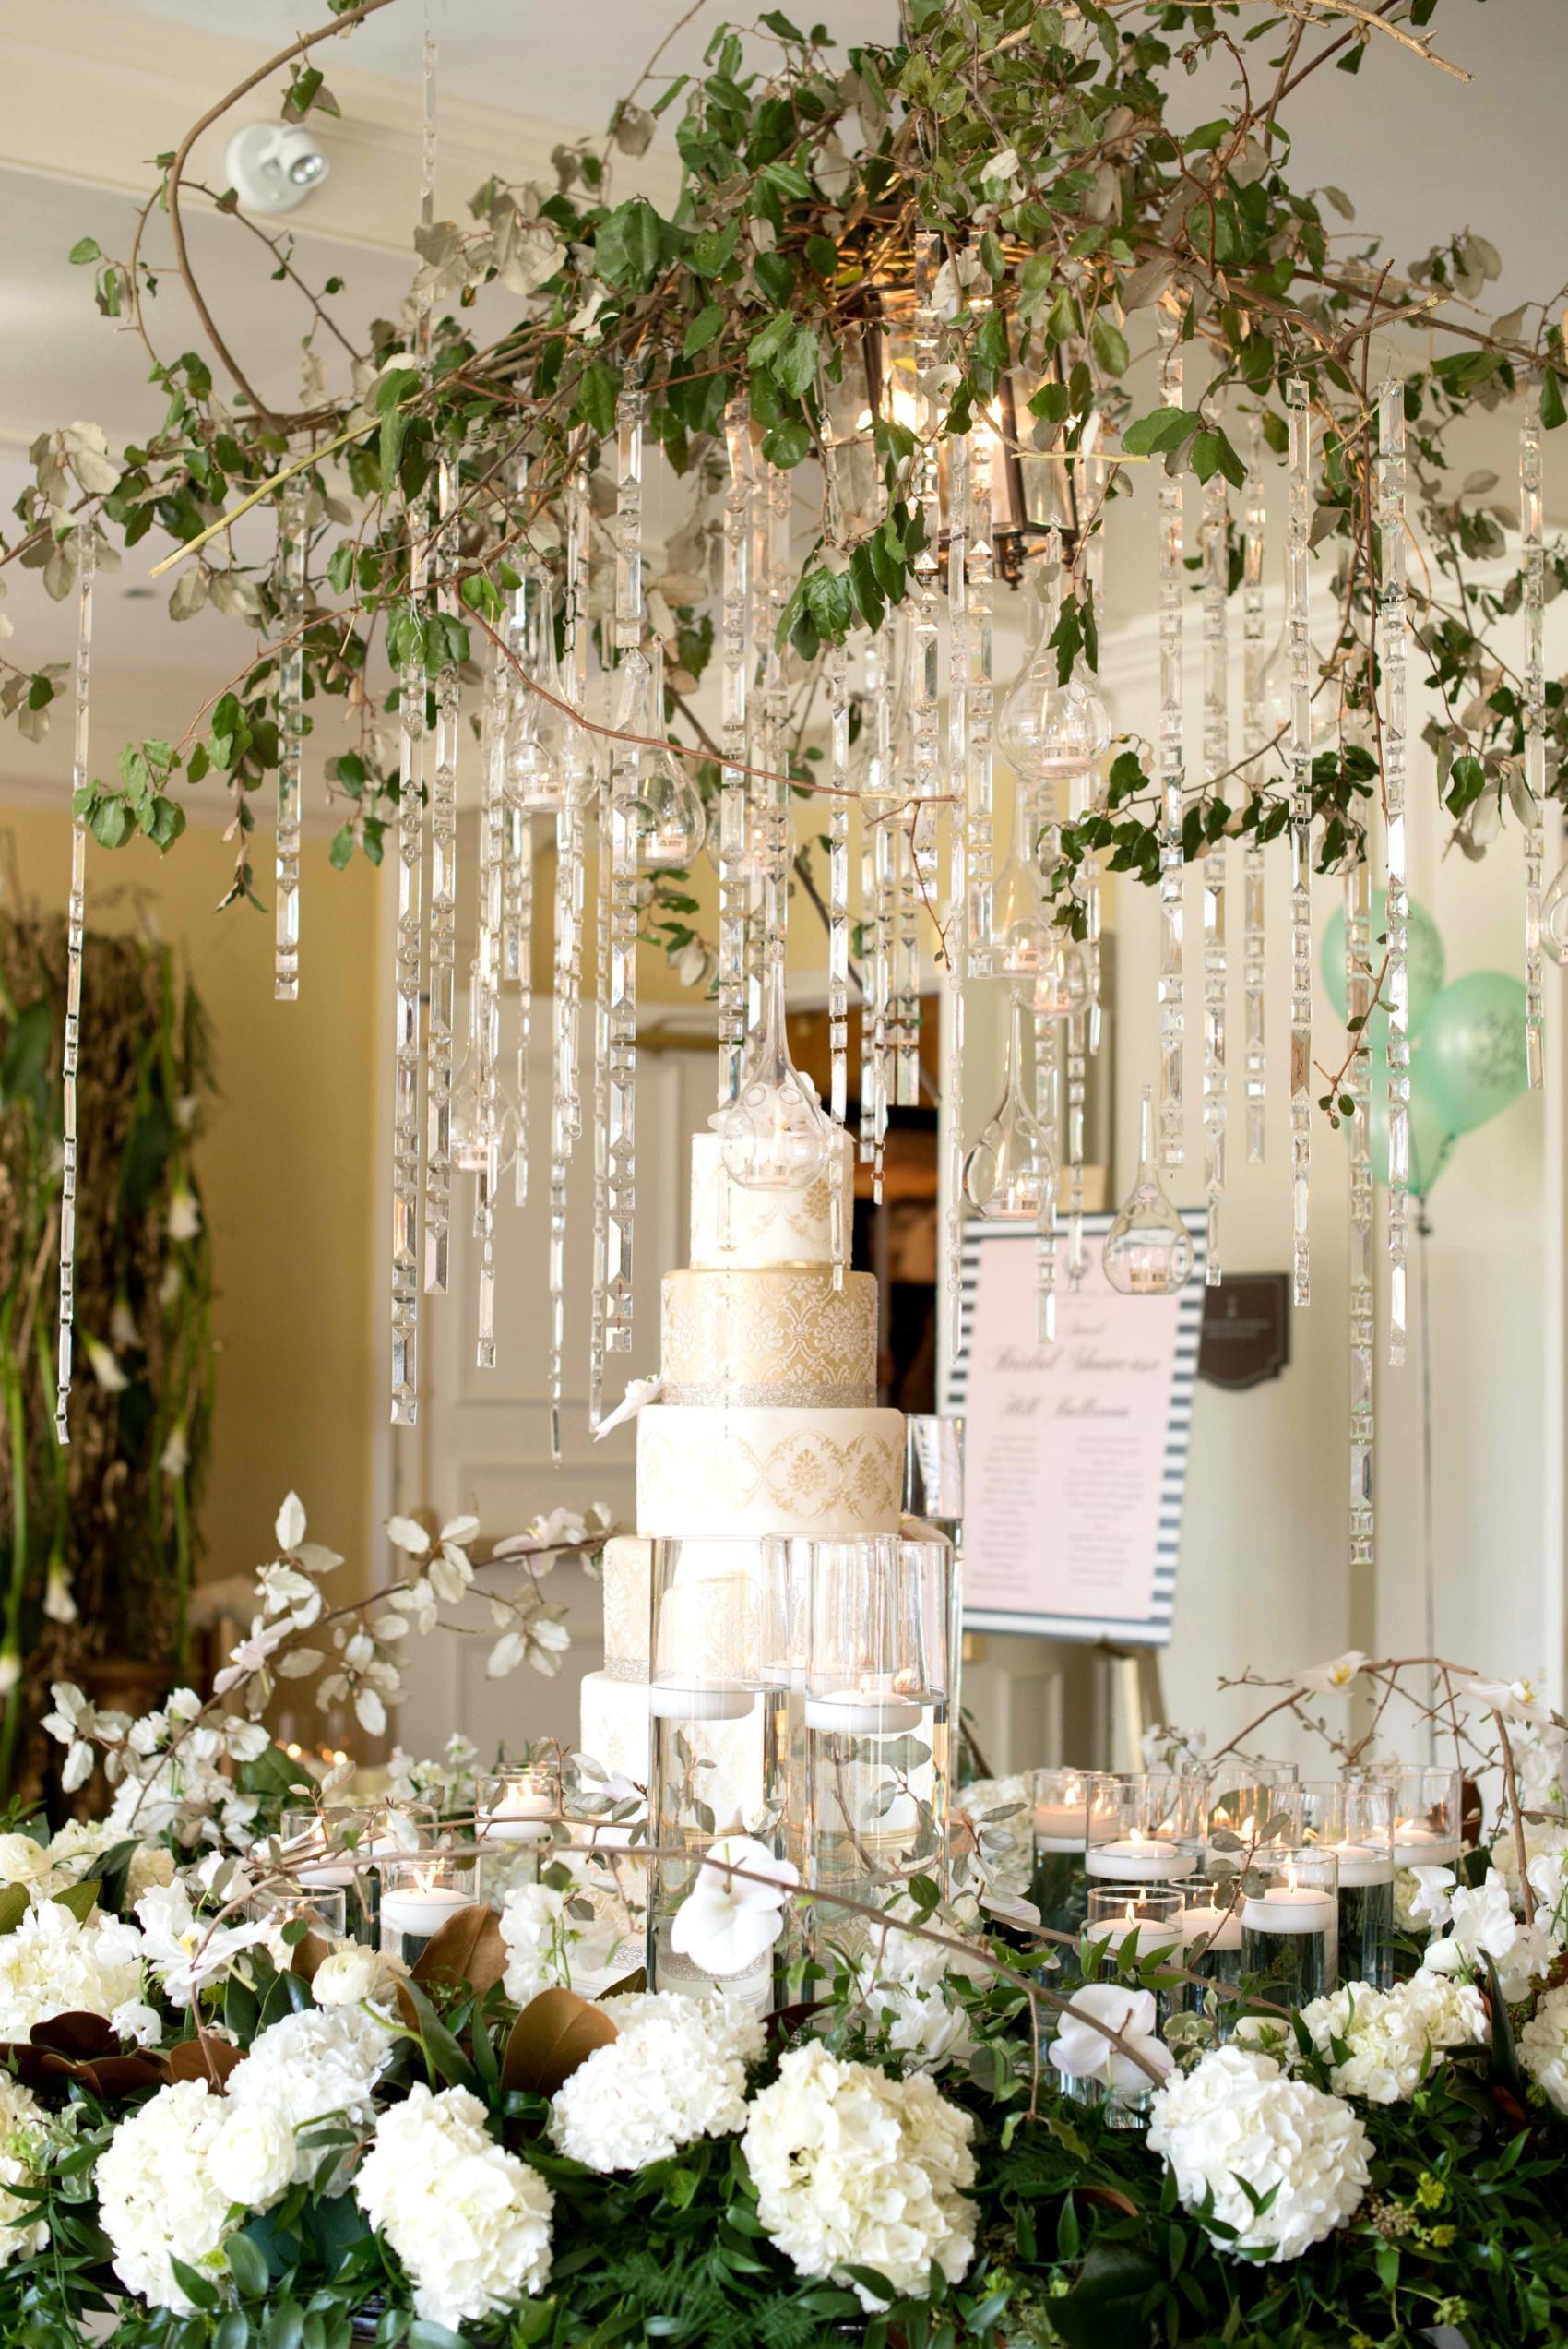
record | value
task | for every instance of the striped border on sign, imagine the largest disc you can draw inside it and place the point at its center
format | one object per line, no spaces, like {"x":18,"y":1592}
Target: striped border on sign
{"x":1152,"y":1631}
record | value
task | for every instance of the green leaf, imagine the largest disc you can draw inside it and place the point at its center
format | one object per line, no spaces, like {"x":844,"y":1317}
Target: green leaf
{"x":1110,"y":345}
{"x":198,"y":2289}
{"x":775,"y":276}
{"x":14,"y":1901}
{"x":1167,"y":428}
{"x":112,"y":823}
{"x":85,"y":249}
{"x":701,"y":330}
{"x":80,"y":1899}
{"x":786,"y":444}
{"x":247,"y":2265}
{"x":598,"y":390}
{"x":1552,"y":411}
{"x":797,"y":363}
{"x":627,"y":245}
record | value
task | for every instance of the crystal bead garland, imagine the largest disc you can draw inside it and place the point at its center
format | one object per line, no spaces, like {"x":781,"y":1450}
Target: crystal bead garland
{"x":1172,"y":1015}
{"x":519,"y":883}
{"x":1358,"y":896}
{"x":1301,"y":756}
{"x":442,"y":924}
{"x":1392,"y":627}
{"x":75,"y":921}
{"x":979,"y":806}
{"x":1254,"y":965}
{"x":875,"y":803}
{"x":838,"y":1209}
{"x":1216,"y":757}
{"x":293,"y":506}
{"x":925,"y":629}
{"x":1083,"y":1027}
{"x":1531,"y":519}
{"x":411,"y":882}
{"x":960,"y":669}
{"x":565,"y":1112}
{"x":735,"y":649}
{"x":484,"y":1017}
{"x":632,"y":670}
{"x":771,"y":802}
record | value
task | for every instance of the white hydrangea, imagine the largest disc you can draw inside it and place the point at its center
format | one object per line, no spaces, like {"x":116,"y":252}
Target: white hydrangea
{"x":852,"y":2168}
{"x":1394,"y":2036}
{"x":903,"y":1986}
{"x":23,"y":2150}
{"x":52,"y":1964}
{"x":1238,"y":2121}
{"x":469,"y":2222}
{"x":675,"y":2071}
{"x":82,"y":1841}
{"x":158,"y":2198}
{"x":545,"y":1943}
{"x":1482,"y":1924}
{"x":309,"y":2067}
{"x":1543,"y":2046}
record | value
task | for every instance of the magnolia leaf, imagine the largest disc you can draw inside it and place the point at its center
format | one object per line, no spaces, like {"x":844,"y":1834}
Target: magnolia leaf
{"x":14,"y":1905}
{"x":80,"y":1898}
{"x":208,"y":2059}
{"x":554,"y":2034}
{"x":467,"y":1948}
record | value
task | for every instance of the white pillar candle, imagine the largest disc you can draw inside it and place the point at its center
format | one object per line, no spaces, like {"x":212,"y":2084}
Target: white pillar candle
{"x":1145,"y":1934}
{"x":863,"y":1712}
{"x":1362,"y":1863}
{"x":1059,"y":1827}
{"x":1291,"y":1908}
{"x":421,"y":1911}
{"x":713,"y":1700}
{"x":1139,"y":1859}
{"x":1221,"y":1928}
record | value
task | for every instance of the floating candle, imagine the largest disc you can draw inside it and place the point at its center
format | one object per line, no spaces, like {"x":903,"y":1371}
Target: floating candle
{"x":515,"y":1814}
{"x":419,"y":1910}
{"x":1291,"y":1908}
{"x":713,"y":1700}
{"x":1362,"y":1863}
{"x":1139,"y":1859}
{"x":1219,"y":1928}
{"x":863,"y":1712}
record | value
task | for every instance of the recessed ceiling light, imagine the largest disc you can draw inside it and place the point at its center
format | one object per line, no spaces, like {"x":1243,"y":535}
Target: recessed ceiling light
{"x":273,"y":166}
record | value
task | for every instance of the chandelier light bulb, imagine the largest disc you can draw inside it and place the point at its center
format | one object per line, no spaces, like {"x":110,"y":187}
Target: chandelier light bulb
{"x":1148,"y":1250}
{"x":1046,"y":729}
{"x":1010,"y":1174}
{"x":1554,"y":919}
{"x":548,"y":765}
{"x":671,"y":819}
{"x":775,"y":1135}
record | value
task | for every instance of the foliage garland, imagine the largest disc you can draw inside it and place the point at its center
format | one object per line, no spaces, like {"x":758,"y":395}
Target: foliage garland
{"x":1046,"y":148}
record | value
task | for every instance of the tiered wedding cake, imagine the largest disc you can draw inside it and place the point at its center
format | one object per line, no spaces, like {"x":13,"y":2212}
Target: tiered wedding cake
{"x":767,"y":1423}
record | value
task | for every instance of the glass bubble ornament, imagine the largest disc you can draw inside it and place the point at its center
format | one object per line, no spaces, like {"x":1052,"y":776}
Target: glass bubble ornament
{"x":1010,"y":1174}
{"x":671,"y":819}
{"x":547,"y":763}
{"x":1554,"y":919}
{"x":1048,"y":730}
{"x":1148,"y":1250}
{"x":775,"y":1135}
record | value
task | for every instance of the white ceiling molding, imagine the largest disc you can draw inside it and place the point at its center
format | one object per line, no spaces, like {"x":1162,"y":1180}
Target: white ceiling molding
{"x":94,"y":91}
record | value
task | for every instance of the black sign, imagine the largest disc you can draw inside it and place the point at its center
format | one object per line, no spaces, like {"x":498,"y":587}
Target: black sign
{"x":1246,"y":1328}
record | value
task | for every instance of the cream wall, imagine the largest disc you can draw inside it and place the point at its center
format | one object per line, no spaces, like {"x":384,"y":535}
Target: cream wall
{"x":288,"y":1167}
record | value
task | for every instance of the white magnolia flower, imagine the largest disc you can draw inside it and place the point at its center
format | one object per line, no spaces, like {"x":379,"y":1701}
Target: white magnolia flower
{"x":1390,"y":2039}
{"x":1430,"y":1900}
{"x":1543,"y":2046}
{"x":729,"y":1922}
{"x":52,"y":1965}
{"x":469,"y":2222}
{"x":675,"y":2071}
{"x":1548,"y":1874}
{"x":1482,"y":1926}
{"x":1324,"y":1679}
{"x":158,"y":2199}
{"x":854,"y":2169}
{"x":312,"y":2066}
{"x":1240,"y":2130}
{"x":1083,"y":2052}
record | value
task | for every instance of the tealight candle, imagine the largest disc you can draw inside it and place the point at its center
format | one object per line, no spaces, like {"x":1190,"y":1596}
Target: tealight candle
{"x":1220,"y":1929}
{"x":1418,"y":1846}
{"x":1138,"y":1858}
{"x":1289,"y":1908}
{"x":421,"y":1911}
{"x":863,"y":1712}
{"x":1139,"y":1933}
{"x":1362,"y":1864}
{"x":514,"y":1813}
{"x":710,"y":1701}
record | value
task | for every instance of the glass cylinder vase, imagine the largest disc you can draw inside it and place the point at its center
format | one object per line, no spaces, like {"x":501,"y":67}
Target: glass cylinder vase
{"x":1290,"y":1925}
{"x":329,"y":1849}
{"x":420,"y":1892}
{"x":1058,"y":1882}
{"x":1145,"y":1827}
{"x":1354,"y":1819}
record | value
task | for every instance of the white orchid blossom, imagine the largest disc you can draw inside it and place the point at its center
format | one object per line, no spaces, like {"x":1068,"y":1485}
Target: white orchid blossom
{"x":1083,"y":2051}
{"x":728,"y":1921}
{"x":1328,"y":1679}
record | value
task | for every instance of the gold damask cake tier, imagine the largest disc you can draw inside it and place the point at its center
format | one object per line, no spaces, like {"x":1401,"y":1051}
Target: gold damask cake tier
{"x":736,"y":1473}
{"x":734,"y":1228}
{"x":782,"y":1338}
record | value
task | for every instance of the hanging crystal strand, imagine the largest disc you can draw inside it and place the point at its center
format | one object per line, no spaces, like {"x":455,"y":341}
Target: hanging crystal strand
{"x":566,"y":1119}
{"x":961,"y":677}
{"x":1096,"y":472}
{"x":1078,"y":1086}
{"x":632,"y":670}
{"x":1048,"y":1112}
{"x":442,"y":926}
{"x":1216,"y":757}
{"x":1172,"y":1015}
{"x":1254,"y":967}
{"x":410,"y":882}
{"x":980,"y":847}
{"x":487,"y":993}
{"x":881,"y":829}
{"x":86,"y":556}
{"x":523,"y":894}
{"x":292,"y":510}
{"x":837,"y":664}
{"x":1357,"y":898}
{"x":926,"y":618}
{"x":1301,"y":750}
{"x":1391,"y":616}
{"x":775,"y":796}
{"x":598,"y":1313}
{"x":735,"y":637}
{"x":1531,"y":519}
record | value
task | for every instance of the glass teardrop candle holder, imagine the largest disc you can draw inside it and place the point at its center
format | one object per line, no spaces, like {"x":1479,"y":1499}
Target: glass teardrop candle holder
{"x":1554,"y":919}
{"x":547,"y":764}
{"x":1023,"y":937}
{"x":1148,"y":1250}
{"x":1010,"y":1174}
{"x":1049,"y":729}
{"x":671,"y":819}
{"x":1274,"y":699}
{"x":775,"y":1135}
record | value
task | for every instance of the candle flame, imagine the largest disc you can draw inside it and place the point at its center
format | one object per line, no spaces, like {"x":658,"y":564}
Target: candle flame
{"x":1290,"y":1876}
{"x":1249,"y":1825}
{"x":1135,"y":1837}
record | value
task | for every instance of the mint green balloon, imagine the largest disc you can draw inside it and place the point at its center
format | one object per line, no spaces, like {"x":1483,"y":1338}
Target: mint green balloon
{"x":1473,"y":1048}
{"x":1431,"y":1140}
{"x":1425,"y":964}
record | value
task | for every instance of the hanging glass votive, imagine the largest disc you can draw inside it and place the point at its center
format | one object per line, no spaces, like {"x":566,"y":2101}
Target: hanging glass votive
{"x":1048,"y":730}
{"x":1010,"y":1174}
{"x":1148,"y":1250}
{"x":547,"y":763}
{"x":774,"y":1136}
{"x":717,"y":1703}
{"x":671,"y":819}
{"x":876,"y":1725}
{"x":1274,"y":702}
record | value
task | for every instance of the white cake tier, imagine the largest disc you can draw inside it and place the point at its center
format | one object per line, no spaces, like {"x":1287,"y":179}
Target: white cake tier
{"x":739,"y":1230}
{"x":613,"y":1724}
{"x":780,"y":1338}
{"x":627,"y":1578}
{"x":734,"y":1474}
